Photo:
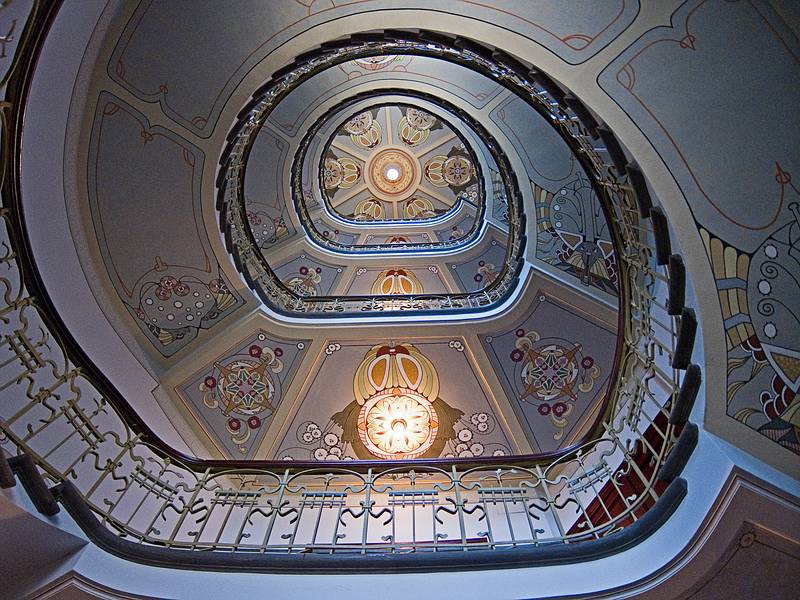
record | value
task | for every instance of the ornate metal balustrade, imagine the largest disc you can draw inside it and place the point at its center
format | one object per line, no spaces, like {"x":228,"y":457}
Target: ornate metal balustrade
{"x":74,"y":439}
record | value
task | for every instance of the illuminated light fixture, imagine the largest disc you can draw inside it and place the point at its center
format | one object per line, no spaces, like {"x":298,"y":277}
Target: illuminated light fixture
{"x":392,"y":174}
{"x":398,"y":424}
{"x":396,"y":386}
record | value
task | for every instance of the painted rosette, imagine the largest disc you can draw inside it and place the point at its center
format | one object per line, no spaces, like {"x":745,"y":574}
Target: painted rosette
{"x":396,"y":387}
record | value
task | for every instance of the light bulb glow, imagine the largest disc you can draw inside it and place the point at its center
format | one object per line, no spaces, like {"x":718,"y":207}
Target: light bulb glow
{"x":398,"y":423}
{"x":392,"y":174}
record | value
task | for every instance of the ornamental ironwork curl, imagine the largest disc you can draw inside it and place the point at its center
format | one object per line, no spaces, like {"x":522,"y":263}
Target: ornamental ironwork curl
{"x":147,"y":502}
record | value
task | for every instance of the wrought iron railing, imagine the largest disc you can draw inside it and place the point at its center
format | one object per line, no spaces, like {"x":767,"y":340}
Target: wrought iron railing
{"x":74,"y":439}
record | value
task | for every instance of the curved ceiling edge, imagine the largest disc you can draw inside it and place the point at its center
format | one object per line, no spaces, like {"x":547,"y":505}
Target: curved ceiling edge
{"x":301,"y":204}
{"x":394,"y":173}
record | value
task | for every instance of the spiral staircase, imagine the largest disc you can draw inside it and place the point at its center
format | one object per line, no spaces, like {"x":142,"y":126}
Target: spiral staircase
{"x":332,"y":300}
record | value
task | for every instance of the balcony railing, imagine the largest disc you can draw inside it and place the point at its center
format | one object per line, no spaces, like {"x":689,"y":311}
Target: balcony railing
{"x":75,"y":441}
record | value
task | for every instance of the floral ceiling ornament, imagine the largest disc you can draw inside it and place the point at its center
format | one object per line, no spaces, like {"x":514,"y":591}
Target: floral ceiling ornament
{"x":370,"y":209}
{"x":415,"y":126}
{"x":418,"y":208}
{"x":487,"y":273}
{"x":175,"y":302}
{"x":364,"y":130}
{"x":396,"y":411}
{"x":552,"y":373}
{"x":306,"y":281}
{"x":340,"y":173}
{"x":371,"y":167}
{"x":395,"y":387}
{"x":453,"y":170}
{"x":397,"y":282}
{"x":245,"y":391}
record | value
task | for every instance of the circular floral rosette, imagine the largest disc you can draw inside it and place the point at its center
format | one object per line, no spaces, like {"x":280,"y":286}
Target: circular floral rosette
{"x":340,"y":173}
{"x":244,"y":390}
{"x":359,"y":124}
{"x":414,"y":127}
{"x":552,"y":372}
{"x":454,"y":171}
{"x":365,"y":132}
{"x":457,"y":170}
{"x":420,"y":119}
{"x":398,"y":424}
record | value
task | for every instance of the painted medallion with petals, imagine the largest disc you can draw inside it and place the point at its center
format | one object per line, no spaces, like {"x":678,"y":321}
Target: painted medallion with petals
{"x":396,"y":163}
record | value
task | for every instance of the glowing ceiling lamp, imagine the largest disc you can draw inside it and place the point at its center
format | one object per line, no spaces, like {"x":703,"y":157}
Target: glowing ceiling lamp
{"x":392,"y":174}
{"x":396,"y":386}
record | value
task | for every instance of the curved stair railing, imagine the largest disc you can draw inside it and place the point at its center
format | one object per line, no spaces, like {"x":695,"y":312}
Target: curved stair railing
{"x":73,"y":441}
{"x":253,"y":265}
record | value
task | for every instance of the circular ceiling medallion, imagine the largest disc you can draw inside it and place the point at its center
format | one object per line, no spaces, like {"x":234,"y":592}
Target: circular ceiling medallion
{"x":393,"y":174}
{"x":396,"y":162}
{"x":398,"y":424}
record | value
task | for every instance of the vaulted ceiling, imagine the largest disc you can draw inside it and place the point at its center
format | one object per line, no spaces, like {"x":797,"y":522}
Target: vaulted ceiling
{"x":193,"y":275}
{"x":389,"y":220}
{"x":275,"y":247}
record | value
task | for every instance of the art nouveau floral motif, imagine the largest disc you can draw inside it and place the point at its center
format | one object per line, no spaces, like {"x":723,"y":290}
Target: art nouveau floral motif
{"x":573,"y":236}
{"x":551,"y":373}
{"x":397,"y":413}
{"x":235,"y":396}
{"x":554,"y":367}
{"x":759,"y":294}
{"x":396,"y":162}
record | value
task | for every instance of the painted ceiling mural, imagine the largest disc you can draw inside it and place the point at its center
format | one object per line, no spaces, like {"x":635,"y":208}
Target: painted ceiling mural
{"x":402,"y":397}
{"x":339,"y":169}
{"x":572,"y":234}
{"x":400,"y":161}
{"x":235,"y":397}
{"x":396,"y":163}
{"x":571,"y":230}
{"x":265,"y":201}
{"x":396,"y":280}
{"x":480,"y":271}
{"x":289,"y":118}
{"x":192,"y":92}
{"x":457,"y":230}
{"x":14,"y":17}
{"x":396,"y":399}
{"x":555,"y":367}
{"x":165,"y":273}
{"x":740,"y":182}
{"x":306,"y":275}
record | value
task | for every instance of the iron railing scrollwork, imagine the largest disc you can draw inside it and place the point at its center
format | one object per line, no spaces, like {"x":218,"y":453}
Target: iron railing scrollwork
{"x":145,"y":503}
